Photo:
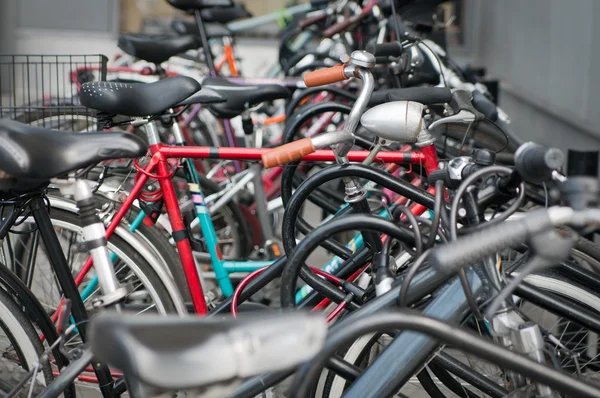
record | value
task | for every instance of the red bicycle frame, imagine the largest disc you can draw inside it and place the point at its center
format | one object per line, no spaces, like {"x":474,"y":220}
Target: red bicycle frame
{"x":159,"y":169}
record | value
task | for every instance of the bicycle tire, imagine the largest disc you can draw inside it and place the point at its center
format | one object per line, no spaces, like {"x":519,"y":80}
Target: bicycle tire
{"x":14,"y":321}
{"x":11,"y":376}
{"x":587,"y":250}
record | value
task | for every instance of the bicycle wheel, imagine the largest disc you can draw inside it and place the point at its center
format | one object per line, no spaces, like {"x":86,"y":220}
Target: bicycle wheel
{"x":11,"y":375}
{"x":31,"y":264}
{"x":78,"y":118}
{"x":20,"y":343}
{"x":147,"y":293}
{"x":558,"y":332}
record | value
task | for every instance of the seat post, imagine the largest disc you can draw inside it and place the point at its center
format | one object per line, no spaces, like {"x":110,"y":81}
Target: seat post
{"x":204,"y":38}
{"x":177,"y":132}
{"x":152,"y":134}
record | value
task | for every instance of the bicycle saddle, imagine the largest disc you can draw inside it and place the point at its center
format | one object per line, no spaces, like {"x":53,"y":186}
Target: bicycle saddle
{"x":241,"y":97}
{"x":173,"y":353}
{"x":191,"y":5}
{"x":189,"y":27}
{"x":156,"y":48}
{"x":221,"y":11}
{"x":37,"y":154}
{"x":225,"y":15}
{"x":145,"y":99}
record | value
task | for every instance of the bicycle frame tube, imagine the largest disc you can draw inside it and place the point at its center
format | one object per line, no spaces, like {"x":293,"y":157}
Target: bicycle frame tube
{"x":256,"y":22}
{"x":254,"y":154}
{"x":231,"y":141}
{"x":65,"y":279}
{"x":228,"y":58}
{"x":180,"y":233}
{"x":410,"y":351}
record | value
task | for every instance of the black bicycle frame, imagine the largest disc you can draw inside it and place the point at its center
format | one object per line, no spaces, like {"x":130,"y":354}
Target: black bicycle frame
{"x":210,"y":62}
{"x":67,"y":283}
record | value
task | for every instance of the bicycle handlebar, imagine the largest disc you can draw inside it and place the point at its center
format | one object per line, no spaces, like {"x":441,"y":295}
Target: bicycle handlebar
{"x":535,"y":163}
{"x":485,"y":106}
{"x":288,"y":153}
{"x":474,"y":247}
{"x":312,"y":20}
{"x":343,"y":141}
{"x":461,"y":101}
{"x":348,"y":22}
{"x":325,"y":76}
{"x":392,"y":49}
{"x":424,"y":95}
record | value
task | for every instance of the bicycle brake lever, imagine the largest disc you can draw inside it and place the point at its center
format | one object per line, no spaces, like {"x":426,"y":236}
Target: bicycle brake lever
{"x":463,"y":116}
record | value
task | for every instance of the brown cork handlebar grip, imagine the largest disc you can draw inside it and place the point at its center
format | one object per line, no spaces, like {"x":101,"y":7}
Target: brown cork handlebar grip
{"x":345,"y":24}
{"x":325,"y":76}
{"x":288,"y":153}
{"x":307,"y":22}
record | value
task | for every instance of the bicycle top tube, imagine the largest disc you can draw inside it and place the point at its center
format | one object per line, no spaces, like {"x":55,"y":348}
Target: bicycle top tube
{"x":323,"y":155}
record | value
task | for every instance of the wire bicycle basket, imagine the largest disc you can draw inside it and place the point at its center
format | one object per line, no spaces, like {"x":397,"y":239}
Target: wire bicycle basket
{"x":43,"y":90}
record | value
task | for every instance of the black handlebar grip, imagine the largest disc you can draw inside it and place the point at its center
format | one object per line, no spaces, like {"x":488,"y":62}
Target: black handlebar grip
{"x":535,"y":163}
{"x":424,"y":95}
{"x":461,"y":101}
{"x":439,"y":175}
{"x":382,"y":60}
{"x":392,"y":49}
{"x":485,"y":106}
{"x":474,"y":247}
{"x":418,"y":78}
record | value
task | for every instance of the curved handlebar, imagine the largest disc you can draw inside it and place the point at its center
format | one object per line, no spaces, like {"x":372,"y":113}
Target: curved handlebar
{"x":347,"y":23}
{"x":312,"y":20}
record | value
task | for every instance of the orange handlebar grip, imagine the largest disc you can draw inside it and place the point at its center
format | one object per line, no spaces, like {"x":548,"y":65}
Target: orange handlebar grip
{"x":325,"y":76}
{"x":288,"y":153}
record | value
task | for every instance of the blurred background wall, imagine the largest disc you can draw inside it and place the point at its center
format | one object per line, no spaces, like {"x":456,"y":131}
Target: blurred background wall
{"x":542,"y":51}
{"x":544,"y":54}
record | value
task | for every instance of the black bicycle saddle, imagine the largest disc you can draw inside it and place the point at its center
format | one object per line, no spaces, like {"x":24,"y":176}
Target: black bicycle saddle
{"x":145,"y":99}
{"x":157,"y":48}
{"x":36,"y":154}
{"x":174,"y":353}
{"x":241,"y":97}
{"x":189,"y":27}
{"x":225,"y":15}
{"x":221,"y":11}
